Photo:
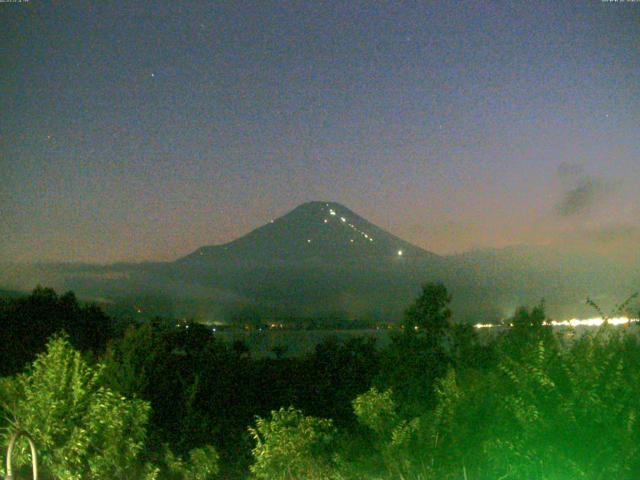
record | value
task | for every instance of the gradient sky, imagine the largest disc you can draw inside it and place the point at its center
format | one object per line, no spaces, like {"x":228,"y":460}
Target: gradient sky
{"x":143,"y":130}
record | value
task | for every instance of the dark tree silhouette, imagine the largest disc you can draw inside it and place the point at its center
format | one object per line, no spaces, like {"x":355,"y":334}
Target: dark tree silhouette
{"x":26,"y":323}
{"x":430,"y":314}
{"x":419,"y":355}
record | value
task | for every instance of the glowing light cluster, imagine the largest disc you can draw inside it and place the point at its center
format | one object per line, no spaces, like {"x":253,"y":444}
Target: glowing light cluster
{"x":575,"y":322}
{"x":590,"y":322}
{"x":344,"y":220}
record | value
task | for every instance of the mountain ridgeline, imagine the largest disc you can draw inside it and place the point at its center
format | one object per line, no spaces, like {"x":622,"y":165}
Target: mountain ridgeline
{"x":319,"y":259}
{"x":323,"y":260}
{"x":313,"y":231}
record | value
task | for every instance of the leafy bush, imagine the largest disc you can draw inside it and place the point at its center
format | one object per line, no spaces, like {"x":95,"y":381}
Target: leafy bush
{"x":81,"y":429}
{"x":292,"y":446}
{"x":202,"y":465}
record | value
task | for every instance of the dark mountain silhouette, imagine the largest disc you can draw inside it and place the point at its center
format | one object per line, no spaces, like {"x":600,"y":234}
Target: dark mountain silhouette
{"x":313,"y":231}
{"x":322,"y":259}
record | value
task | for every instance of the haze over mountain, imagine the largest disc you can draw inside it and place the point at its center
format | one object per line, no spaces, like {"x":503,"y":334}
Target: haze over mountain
{"x":322,"y":259}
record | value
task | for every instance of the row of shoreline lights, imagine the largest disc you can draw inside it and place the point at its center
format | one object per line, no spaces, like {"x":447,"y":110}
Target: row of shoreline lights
{"x":574,"y":322}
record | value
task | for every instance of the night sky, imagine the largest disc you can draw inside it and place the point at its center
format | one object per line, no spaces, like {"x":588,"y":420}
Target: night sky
{"x":142,"y":130}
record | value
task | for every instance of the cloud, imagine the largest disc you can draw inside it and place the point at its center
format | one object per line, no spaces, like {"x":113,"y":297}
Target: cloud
{"x":581,"y":197}
{"x":568,"y":170}
{"x":616,"y":240}
{"x":582,"y":192}
{"x":616,"y":233}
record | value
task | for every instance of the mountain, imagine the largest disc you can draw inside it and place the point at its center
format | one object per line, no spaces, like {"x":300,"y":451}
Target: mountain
{"x":313,"y":231}
{"x":320,"y":258}
{"x":561,"y":276}
{"x":7,"y":294}
{"x":323,"y":260}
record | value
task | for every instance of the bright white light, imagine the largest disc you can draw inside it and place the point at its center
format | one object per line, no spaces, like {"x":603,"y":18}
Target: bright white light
{"x":326,"y":221}
{"x":308,"y":240}
{"x":371,"y":239}
{"x":399,"y":253}
{"x":575,"y":322}
{"x":332,"y":211}
{"x":590,"y":322}
{"x":343,"y":219}
{"x":351,"y":240}
{"x":366,"y":236}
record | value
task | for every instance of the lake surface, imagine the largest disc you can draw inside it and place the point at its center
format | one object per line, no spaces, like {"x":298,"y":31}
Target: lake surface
{"x":299,"y":342}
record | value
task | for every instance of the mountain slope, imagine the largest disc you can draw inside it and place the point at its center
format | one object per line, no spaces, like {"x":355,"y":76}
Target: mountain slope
{"x":322,"y":258}
{"x":312,"y":231}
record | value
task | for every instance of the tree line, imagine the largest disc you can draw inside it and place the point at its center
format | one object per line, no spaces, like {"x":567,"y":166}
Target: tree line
{"x":106,"y":401}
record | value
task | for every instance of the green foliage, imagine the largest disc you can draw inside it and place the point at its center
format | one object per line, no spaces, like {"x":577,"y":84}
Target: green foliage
{"x":620,"y":309}
{"x":536,"y":408}
{"x":525,"y":321}
{"x":430,"y":312}
{"x":202,"y":464}
{"x":418,"y":448}
{"x":203,"y":392}
{"x":27,"y":323}
{"x":132,"y":362}
{"x":291,"y":446}
{"x":81,"y":429}
{"x":166,"y":367}
{"x":393,"y":437}
{"x":527,"y":330}
{"x":334,"y":375}
{"x":377,"y":411}
{"x":564,"y":412}
{"x":421,"y":354}
{"x":448,"y":403}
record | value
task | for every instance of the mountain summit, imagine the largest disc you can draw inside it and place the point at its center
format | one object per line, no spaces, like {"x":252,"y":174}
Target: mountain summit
{"x":313,"y":230}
